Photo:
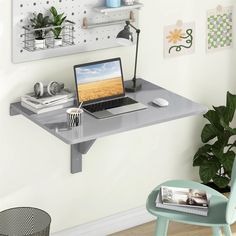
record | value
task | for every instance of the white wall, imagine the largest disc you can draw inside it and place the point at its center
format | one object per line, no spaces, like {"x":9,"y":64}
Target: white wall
{"x":119,"y":171}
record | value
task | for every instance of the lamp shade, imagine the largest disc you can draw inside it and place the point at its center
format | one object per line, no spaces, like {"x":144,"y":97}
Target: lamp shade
{"x":125,"y":37}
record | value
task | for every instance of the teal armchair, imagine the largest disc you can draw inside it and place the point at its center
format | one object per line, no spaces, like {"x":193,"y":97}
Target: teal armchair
{"x":222,"y":210}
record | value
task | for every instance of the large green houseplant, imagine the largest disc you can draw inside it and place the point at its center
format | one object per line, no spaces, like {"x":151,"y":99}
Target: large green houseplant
{"x":215,"y":158}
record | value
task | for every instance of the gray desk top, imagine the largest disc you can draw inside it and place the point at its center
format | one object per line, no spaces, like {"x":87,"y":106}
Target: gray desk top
{"x":92,"y":128}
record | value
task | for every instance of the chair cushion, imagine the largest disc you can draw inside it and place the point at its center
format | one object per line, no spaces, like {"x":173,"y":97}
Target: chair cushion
{"x":217,"y":208}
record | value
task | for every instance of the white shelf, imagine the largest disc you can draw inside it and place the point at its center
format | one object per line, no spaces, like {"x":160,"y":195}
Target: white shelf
{"x":106,"y":10}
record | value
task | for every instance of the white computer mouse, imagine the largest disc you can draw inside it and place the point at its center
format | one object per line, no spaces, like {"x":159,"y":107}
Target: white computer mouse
{"x":161,"y":102}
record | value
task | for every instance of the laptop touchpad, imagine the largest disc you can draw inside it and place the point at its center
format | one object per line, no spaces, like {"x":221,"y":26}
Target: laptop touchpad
{"x":102,"y":114}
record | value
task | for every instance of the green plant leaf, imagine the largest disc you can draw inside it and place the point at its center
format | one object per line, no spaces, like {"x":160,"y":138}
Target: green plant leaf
{"x":200,"y":159}
{"x":228,"y":160}
{"x":218,"y":153}
{"x":40,"y":18}
{"x":213,"y":118}
{"x":208,"y":170}
{"x":45,"y":21}
{"x":230,"y":105}
{"x":209,"y":132}
{"x":53,"y":11}
{"x":219,"y":144}
{"x":221,"y":181}
{"x":201,"y":155}
{"x":231,"y":131}
{"x":222,"y":114}
{"x":62,"y":20}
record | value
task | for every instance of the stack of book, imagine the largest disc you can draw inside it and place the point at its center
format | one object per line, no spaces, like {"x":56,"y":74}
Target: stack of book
{"x":48,"y":103}
{"x":183,"y":199}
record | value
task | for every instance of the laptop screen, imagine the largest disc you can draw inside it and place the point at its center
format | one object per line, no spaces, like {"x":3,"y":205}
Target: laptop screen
{"x":99,"y":80}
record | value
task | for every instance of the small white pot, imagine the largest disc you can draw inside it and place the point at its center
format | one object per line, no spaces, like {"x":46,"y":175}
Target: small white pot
{"x":128,"y":2}
{"x":40,"y":43}
{"x":57,"y":42}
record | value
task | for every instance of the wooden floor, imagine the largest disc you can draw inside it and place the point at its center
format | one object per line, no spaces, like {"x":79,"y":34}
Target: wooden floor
{"x":175,"y":229}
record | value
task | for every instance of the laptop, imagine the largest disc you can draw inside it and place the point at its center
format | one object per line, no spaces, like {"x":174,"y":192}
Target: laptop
{"x":100,"y":86}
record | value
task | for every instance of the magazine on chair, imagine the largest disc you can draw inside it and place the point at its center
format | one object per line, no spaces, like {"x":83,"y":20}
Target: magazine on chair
{"x":184,"y":197}
{"x":184,"y":200}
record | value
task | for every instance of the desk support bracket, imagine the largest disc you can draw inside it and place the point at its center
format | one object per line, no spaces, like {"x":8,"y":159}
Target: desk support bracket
{"x":77,"y":150}
{"x":14,"y":111}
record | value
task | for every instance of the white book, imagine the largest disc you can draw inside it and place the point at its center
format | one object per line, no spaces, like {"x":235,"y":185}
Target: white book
{"x":186,"y":209}
{"x":47,"y":108}
{"x":37,"y":105}
{"x":47,"y":99}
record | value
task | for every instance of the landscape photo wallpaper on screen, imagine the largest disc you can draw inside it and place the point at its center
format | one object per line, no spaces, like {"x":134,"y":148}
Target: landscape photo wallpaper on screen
{"x":99,"y":81}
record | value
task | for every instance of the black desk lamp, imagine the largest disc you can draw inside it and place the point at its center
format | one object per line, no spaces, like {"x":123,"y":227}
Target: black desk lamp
{"x":125,"y":37}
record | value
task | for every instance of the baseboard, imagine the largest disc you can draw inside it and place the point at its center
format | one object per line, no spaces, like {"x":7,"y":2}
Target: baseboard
{"x":110,"y":224}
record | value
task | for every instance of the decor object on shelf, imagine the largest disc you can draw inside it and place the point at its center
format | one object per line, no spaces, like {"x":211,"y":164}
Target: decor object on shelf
{"x":57,"y":21}
{"x":179,"y":39}
{"x":113,"y":3}
{"x":128,"y":2}
{"x":106,"y":10}
{"x":215,"y":158}
{"x":39,"y":23}
{"x":125,"y":38}
{"x":219,"y":28}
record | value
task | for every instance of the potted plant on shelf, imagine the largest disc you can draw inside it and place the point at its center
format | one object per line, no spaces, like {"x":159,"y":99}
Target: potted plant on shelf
{"x":39,"y":21}
{"x":215,"y":158}
{"x":57,"y":22}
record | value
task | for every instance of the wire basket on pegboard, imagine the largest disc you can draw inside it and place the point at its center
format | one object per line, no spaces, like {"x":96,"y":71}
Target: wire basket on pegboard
{"x":24,"y":221}
{"x":32,"y":43}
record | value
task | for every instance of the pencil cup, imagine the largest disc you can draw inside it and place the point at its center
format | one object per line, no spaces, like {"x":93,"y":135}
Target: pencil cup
{"x":74,"y":116}
{"x":113,"y":3}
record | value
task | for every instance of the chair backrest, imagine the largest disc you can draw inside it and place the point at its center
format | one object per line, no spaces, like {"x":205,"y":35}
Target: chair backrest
{"x":231,"y":206}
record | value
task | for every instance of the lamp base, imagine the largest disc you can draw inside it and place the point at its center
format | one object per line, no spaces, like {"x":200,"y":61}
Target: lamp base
{"x":132,"y":87}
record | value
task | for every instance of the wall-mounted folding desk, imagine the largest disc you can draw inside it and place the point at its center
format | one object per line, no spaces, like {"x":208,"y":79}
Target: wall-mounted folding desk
{"x":82,"y":138}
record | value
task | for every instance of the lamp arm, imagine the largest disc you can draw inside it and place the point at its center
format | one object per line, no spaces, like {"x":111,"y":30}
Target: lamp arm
{"x":136,"y":56}
{"x":137,"y":47}
{"x":132,"y":26}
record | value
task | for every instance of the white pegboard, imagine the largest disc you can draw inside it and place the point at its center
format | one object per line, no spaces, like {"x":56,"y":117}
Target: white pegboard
{"x":75,"y":10}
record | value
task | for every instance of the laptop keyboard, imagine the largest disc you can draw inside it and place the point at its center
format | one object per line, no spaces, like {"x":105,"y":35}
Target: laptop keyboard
{"x":109,"y":104}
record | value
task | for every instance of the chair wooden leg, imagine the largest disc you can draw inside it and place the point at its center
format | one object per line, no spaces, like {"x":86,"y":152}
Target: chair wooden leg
{"x":161,"y":226}
{"x":216,"y":231}
{"x":227,"y":230}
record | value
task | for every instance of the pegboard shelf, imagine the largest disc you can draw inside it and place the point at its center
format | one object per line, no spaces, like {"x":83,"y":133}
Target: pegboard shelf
{"x":106,"y":10}
{"x":87,"y":25}
{"x":104,"y":27}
